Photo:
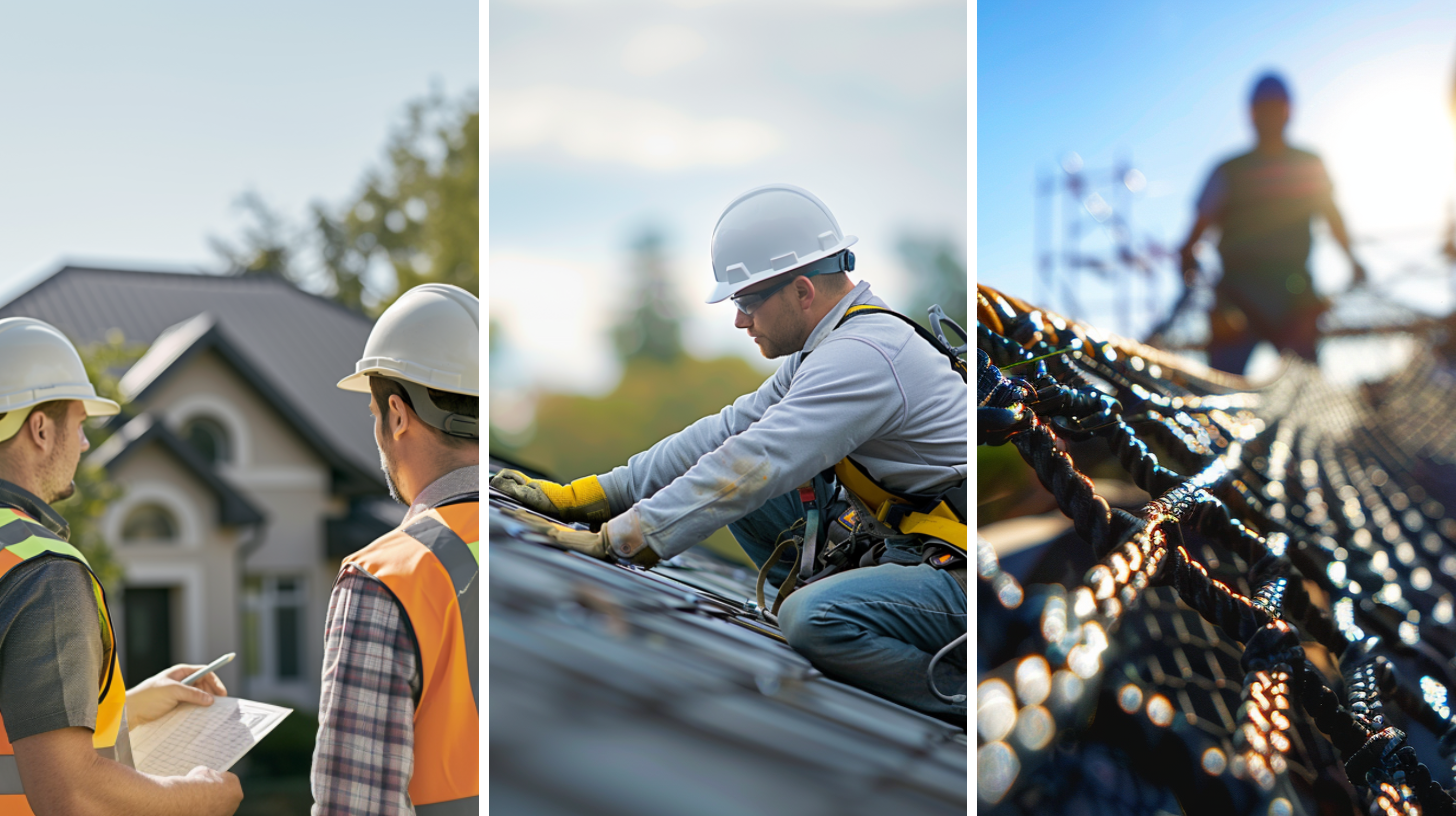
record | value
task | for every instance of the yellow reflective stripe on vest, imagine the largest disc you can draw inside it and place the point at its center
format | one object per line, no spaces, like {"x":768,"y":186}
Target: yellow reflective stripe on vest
{"x":22,"y":539}
{"x":940,"y":522}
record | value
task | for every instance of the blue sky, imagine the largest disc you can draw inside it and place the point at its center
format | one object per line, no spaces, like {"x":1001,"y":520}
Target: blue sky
{"x":609,"y":117}
{"x":131,"y":128}
{"x":1165,"y":85}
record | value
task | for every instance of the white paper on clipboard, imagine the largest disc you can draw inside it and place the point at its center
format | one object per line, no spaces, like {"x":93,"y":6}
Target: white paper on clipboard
{"x":214,"y":736}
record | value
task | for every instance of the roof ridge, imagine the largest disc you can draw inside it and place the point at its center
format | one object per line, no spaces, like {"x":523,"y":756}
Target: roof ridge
{"x":275,"y":280}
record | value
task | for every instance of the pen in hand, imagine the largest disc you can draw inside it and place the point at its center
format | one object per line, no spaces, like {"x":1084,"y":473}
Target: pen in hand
{"x":210,"y":667}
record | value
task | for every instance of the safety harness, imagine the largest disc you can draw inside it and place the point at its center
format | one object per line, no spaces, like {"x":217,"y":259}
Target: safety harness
{"x":876,"y":513}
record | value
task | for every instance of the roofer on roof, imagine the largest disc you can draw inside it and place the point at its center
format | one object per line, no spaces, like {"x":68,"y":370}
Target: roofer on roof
{"x":1263,"y":201}
{"x":862,"y":411}
{"x":64,"y":741}
{"x":399,"y":714}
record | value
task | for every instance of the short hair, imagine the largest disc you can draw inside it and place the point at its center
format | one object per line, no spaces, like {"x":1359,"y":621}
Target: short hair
{"x":836,"y":281}
{"x":57,"y":410}
{"x":383,"y":388}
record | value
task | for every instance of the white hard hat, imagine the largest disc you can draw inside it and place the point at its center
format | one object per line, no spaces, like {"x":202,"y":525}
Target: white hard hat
{"x":41,"y":365}
{"x":768,"y":231}
{"x":429,"y":336}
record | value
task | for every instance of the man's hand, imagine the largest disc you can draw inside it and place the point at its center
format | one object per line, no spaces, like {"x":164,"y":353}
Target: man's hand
{"x":582,"y":500}
{"x":620,"y":531}
{"x":157,"y":695}
{"x":223,"y":788}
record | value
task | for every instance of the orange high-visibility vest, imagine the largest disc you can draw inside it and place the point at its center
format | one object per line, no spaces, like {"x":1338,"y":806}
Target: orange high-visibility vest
{"x":24,"y":539}
{"x":432,"y":565}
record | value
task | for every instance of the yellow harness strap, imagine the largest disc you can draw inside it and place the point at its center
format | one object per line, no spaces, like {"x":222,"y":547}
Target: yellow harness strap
{"x":941,"y":522}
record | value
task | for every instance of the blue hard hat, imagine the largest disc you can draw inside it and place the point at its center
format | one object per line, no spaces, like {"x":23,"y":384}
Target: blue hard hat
{"x":1270,"y":86}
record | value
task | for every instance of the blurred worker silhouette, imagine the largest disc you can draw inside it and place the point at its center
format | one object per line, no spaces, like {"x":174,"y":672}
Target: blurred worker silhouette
{"x":1263,"y":201}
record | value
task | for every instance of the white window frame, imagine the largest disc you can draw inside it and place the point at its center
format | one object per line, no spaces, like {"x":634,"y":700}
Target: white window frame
{"x":224,"y":413}
{"x":165,"y":494}
{"x":265,"y":606}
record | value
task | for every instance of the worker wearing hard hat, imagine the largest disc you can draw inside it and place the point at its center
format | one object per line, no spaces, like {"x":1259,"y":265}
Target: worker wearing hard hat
{"x":399,"y":716}
{"x":864,"y":415}
{"x":1263,"y":202}
{"x":64,"y":739}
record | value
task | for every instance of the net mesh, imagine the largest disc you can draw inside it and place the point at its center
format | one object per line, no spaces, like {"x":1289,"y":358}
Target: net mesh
{"x":1267,"y":631}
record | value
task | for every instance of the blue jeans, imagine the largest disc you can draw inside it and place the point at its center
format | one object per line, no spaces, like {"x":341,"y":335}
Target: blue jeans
{"x":875,"y":628}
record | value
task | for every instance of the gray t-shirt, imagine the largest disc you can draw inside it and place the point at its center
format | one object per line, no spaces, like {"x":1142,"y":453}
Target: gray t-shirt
{"x":52,"y":654}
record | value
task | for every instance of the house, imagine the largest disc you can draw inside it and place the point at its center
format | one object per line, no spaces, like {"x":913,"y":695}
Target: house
{"x":246,"y":474}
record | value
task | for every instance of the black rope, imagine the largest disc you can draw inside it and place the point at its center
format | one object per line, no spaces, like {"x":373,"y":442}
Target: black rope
{"x":1077,"y":388}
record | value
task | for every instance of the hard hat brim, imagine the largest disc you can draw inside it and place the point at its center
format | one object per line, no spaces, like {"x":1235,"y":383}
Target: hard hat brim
{"x":359,"y":380}
{"x":727,"y":289}
{"x":100,"y":407}
{"x":86,"y":395}
{"x":358,"y":383}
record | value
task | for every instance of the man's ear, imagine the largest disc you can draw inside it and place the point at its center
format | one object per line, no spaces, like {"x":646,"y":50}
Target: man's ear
{"x":400,"y":416}
{"x":804,"y":288}
{"x":42,"y":430}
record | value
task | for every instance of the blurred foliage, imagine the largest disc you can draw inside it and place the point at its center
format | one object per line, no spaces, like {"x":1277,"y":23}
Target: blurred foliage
{"x":579,"y":435}
{"x":662,"y":389}
{"x":415,"y":219}
{"x":938,"y":267}
{"x":105,"y":363}
{"x":652,"y":328}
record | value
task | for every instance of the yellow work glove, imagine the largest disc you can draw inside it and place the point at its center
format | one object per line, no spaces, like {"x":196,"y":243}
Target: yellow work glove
{"x":582,"y":500}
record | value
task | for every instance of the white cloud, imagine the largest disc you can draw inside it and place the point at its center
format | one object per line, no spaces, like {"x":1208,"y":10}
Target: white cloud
{"x":605,"y":127}
{"x":658,"y":49}
{"x":556,"y":328}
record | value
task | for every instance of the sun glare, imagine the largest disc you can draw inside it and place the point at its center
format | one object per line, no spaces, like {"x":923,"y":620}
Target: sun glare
{"x":1388,"y":144}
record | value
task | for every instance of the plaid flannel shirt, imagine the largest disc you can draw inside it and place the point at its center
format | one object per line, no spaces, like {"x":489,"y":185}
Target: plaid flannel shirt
{"x":365,"y":754}
{"x":364,"y":757}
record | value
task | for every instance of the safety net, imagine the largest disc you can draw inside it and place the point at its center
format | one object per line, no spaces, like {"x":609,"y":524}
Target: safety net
{"x":1264,"y":627}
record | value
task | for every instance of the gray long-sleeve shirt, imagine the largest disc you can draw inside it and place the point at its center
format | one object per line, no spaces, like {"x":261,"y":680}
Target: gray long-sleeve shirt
{"x":873,"y":390}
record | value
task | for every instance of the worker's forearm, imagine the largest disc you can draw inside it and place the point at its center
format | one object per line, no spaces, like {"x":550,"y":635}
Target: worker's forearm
{"x":1337,"y":229}
{"x":64,"y":776}
{"x":1200,"y":225}
{"x":110,"y":788}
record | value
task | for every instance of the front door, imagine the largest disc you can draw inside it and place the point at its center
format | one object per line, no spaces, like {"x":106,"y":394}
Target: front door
{"x":147,"y":641}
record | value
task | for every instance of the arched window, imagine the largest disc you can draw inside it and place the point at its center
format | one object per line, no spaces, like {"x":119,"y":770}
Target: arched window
{"x":149,"y":524}
{"x":209,"y":438}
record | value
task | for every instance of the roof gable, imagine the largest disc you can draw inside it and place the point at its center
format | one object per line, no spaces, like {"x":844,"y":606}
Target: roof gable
{"x":233,"y":508}
{"x":297,"y":345}
{"x":184,"y":342}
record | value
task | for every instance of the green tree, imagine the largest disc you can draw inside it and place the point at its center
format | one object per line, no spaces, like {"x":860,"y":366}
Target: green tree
{"x":267,"y":246}
{"x":415,"y":218}
{"x":105,"y":363}
{"x":651,"y":329}
{"x":420,"y":212}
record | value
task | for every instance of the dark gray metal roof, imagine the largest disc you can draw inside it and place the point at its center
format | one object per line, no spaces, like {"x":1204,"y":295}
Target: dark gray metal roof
{"x":619,"y":692}
{"x":300,"y":343}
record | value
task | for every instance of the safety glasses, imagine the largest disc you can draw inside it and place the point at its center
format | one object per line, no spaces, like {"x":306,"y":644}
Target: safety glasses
{"x":838,"y":262}
{"x":750,"y":303}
